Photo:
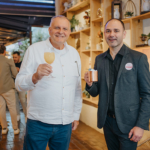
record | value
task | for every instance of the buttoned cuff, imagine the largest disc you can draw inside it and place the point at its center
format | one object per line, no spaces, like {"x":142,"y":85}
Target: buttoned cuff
{"x":76,"y":116}
{"x":29,"y":81}
{"x":88,"y":87}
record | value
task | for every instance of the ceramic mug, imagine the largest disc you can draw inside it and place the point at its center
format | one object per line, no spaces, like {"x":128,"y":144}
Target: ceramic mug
{"x":93,"y":75}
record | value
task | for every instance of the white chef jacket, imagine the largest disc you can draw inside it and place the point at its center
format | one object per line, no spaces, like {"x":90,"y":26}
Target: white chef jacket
{"x":56,"y":99}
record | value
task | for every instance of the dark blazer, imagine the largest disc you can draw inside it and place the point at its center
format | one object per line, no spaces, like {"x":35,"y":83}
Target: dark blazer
{"x":132,"y":91}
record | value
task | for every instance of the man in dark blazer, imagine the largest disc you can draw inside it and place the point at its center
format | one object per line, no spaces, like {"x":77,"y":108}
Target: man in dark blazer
{"x":124,"y":90}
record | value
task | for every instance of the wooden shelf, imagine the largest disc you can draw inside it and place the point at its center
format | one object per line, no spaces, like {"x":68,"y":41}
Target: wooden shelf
{"x":73,"y":33}
{"x":85,"y":98}
{"x":78,"y":6}
{"x":143,"y":16}
{"x":127,"y":20}
{"x":95,"y":50}
{"x":145,"y":47}
{"x":98,"y":20}
{"x":78,"y":32}
{"x":90,"y":99}
{"x":86,"y":30}
{"x":85,"y":51}
{"x":90,"y":102}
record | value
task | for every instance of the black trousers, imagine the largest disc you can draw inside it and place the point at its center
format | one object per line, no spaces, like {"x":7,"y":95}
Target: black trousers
{"x":115,"y":139}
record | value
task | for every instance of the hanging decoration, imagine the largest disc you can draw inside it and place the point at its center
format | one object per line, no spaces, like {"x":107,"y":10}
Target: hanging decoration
{"x":116,"y":9}
{"x":129,"y":9}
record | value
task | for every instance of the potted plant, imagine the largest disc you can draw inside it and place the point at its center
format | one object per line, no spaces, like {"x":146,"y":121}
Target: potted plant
{"x":148,"y":39}
{"x":74,"y":22}
{"x":143,"y":37}
{"x":86,"y":93}
{"x":128,"y":14}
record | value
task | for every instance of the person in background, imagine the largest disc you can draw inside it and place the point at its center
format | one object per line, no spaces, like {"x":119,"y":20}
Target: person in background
{"x":19,"y":95}
{"x":7,"y":93}
{"x":124,"y":90}
{"x":54,"y":91}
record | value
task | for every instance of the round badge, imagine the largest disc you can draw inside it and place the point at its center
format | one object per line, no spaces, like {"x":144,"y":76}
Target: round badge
{"x":129,"y":66}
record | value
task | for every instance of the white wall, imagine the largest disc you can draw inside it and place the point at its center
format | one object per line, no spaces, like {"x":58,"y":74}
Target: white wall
{"x":89,"y":116}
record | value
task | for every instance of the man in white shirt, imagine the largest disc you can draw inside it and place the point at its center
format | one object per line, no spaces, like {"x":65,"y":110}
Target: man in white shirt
{"x":54,"y":91}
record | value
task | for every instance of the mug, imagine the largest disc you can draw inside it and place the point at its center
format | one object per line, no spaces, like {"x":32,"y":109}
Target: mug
{"x":93,"y":75}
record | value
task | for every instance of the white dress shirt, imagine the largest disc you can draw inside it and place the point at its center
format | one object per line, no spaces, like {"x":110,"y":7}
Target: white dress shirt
{"x":56,"y":99}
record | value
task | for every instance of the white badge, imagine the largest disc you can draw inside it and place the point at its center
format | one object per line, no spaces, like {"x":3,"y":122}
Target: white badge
{"x":129,"y":66}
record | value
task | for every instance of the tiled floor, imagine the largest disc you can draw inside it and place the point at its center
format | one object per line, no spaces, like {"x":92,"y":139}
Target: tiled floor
{"x":84,"y":138}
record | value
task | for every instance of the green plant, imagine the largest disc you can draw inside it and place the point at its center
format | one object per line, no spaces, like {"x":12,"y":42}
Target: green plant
{"x":128,"y":13}
{"x":143,"y":35}
{"x":148,"y":36}
{"x":86,"y":93}
{"x":74,"y":22}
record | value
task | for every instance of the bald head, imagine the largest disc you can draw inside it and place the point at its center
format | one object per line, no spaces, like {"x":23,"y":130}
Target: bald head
{"x":119,"y":21}
{"x":61,"y":17}
{"x":114,"y":33}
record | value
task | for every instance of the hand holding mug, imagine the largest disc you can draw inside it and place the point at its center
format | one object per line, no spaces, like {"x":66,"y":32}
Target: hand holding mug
{"x":87,"y":79}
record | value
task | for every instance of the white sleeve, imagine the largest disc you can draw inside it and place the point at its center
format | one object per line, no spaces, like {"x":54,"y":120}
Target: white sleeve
{"x":23,"y":80}
{"x":78,"y":96}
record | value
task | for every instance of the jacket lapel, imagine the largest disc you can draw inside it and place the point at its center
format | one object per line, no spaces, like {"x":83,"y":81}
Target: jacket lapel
{"x":107,"y":71}
{"x":123,"y":62}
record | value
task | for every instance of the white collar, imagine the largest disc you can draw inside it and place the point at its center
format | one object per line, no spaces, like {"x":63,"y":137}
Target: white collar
{"x":51,"y":46}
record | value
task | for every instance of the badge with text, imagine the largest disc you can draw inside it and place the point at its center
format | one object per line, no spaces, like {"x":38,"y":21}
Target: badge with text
{"x":129,"y":66}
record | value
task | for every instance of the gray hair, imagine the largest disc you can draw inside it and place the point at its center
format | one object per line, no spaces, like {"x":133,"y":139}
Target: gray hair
{"x":59,"y":16}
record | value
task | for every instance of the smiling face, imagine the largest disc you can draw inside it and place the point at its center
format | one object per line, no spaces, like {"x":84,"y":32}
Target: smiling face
{"x":114,"y":34}
{"x":59,"y":31}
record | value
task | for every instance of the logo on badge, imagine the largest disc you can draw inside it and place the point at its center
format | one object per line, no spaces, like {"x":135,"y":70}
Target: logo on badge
{"x":129,"y":66}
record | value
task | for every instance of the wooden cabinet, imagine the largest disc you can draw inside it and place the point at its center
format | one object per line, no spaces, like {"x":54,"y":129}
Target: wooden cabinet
{"x":80,"y":38}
